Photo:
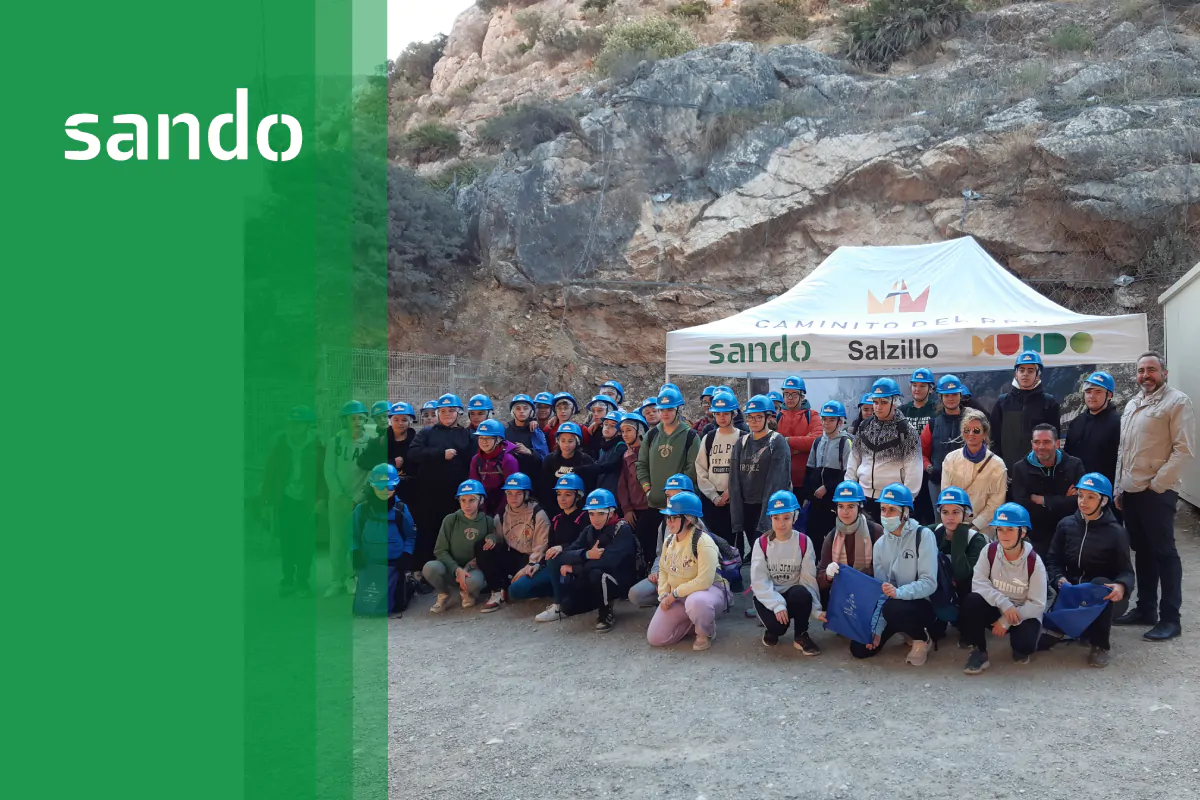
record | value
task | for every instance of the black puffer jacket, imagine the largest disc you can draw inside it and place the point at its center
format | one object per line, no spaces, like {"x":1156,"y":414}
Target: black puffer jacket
{"x":619,"y":559}
{"x":1085,"y":549}
{"x":1094,"y":439}
{"x":439,"y":478}
{"x":1029,"y":477}
{"x":1013,"y":419}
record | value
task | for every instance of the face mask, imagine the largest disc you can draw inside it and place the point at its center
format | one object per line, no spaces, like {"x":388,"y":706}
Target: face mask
{"x":890,"y":524}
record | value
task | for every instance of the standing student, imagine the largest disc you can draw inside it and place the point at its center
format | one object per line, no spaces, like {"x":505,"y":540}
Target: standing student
{"x":905,"y":558}
{"x":600,"y":565}
{"x":524,"y":538}
{"x":706,"y":418}
{"x":543,"y":404}
{"x":783,"y":576}
{"x":886,"y":448}
{"x":919,"y":412}
{"x":1158,"y":442}
{"x":977,"y":470}
{"x":479,"y":408}
{"x":493,"y":463}
{"x":429,"y":414}
{"x":443,"y":457}
{"x":667,"y":449}
{"x":455,"y":562}
{"x":958,"y":538}
{"x":1044,"y":484}
{"x":567,"y":457}
{"x":759,"y":466}
{"x":1008,"y":592}
{"x":379,"y":419}
{"x":943,"y":434}
{"x":614,"y":390}
{"x":799,"y":425}
{"x":690,"y":590}
{"x":713,"y":459}
{"x":1095,"y":435}
{"x":649,"y":411}
{"x":565,"y":408}
{"x":544,"y":579}
{"x":630,"y":496}
{"x":1018,"y":411}
{"x":345,"y":478}
{"x":1090,"y":546}
{"x":525,"y":433}
{"x":293,"y":491}
{"x":608,"y":449}
{"x":597,"y":407}
{"x":851,"y":542}
{"x":866,"y":410}
{"x":825,"y":470}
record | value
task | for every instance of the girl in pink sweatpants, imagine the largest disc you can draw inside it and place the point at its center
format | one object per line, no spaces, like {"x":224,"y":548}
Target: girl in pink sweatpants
{"x":697,"y":611}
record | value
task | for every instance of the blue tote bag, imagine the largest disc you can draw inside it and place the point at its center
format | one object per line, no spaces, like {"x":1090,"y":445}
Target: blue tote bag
{"x":854,"y":599}
{"x":1076,"y":608}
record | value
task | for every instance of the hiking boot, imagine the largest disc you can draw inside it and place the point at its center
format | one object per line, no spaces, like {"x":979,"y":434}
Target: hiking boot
{"x":1136,"y":616}
{"x":468,"y":600}
{"x":494,"y":602}
{"x":751,"y":613}
{"x":1048,"y":639}
{"x":769,"y":640}
{"x":918,"y":654}
{"x":703,"y":644}
{"x":606,"y":619}
{"x":1162,"y":632}
{"x":1020,"y":658}
{"x":440,"y":604}
{"x":806,"y":645}
{"x":552,"y":614}
{"x":335,"y":588}
{"x":1098,"y":657}
{"x":977,"y":662}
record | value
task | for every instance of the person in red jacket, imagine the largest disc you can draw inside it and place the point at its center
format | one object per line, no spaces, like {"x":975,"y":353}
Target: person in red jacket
{"x":800,"y":424}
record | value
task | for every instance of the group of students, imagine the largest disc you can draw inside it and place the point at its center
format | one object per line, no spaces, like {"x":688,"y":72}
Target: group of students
{"x":648,"y":505}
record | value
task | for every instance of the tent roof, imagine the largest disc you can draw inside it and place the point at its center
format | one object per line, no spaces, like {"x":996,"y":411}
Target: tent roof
{"x":947,"y":305}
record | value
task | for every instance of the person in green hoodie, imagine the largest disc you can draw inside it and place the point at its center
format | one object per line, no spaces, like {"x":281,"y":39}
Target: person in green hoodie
{"x":454,"y":552}
{"x":667,"y":449}
{"x":957,"y":538}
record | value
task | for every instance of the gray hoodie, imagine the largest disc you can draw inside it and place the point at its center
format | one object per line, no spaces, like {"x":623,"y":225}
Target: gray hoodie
{"x":894,"y":559}
{"x":1008,"y":584}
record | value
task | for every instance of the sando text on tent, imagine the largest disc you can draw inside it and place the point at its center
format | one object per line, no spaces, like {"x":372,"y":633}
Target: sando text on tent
{"x":744,"y":353}
{"x":903,"y":350}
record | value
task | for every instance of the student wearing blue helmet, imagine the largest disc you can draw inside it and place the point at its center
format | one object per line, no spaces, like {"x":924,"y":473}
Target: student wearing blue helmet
{"x":600,"y":566}
{"x":479,"y":408}
{"x":1019,"y":410}
{"x":919,"y":412}
{"x":526,"y":434}
{"x":1095,"y":435}
{"x":345,"y":478}
{"x":607,"y":448}
{"x":455,"y":563}
{"x":567,"y":457}
{"x":493,"y":463}
{"x":568,"y":519}
{"x":649,"y":411}
{"x":524,"y":538}
{"x":614,"y":390}
{"x":668,"y":448}
{"x":565,"y":409}
{"x":442,"y":455}
{"x":865,"y":410}
{"x":957,"y":537}
{"x":543,"y":405}
{"x":943,"y":434}
{"x":852,"y":540}
{"x":886,"y":448}
{"x":783,"y":576}
{"x":293,"y":491}
{"x":429,"y":414}
{"x":759,"y":466}
{"x":713,"y":459}
{"x":826,"y":468}
{"x":598,"y":407}
{"x":379,"y":418}
{"x":392,"y":444}
{"x":382,"y":539}
{"x":644,"y":593}
{"x":705,"y":419}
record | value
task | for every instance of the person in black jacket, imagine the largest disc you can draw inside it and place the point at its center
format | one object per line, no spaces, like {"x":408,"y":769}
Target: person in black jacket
{"x":1095,"y":435}
{"x":443,"y":458}
{"x":608,"y":449}
{"x":1090,"y":545}
{"x":601,"y":564}
{"x":567,"y":457}
{"x":527,"y":435}
{"x":1044,"y":484}
{"x":1016,"y":412}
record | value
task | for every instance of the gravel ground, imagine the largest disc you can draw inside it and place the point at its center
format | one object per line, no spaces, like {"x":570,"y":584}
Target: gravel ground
{"x":498,"y":706}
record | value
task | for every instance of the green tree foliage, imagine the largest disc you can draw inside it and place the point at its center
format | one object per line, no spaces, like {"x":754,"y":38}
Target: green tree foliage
{"x":651,"y":38}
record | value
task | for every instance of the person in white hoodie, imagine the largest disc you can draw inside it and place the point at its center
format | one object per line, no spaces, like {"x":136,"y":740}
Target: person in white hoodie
{"x":713,"y":462}
{"x":1008,"y":592}
{"x":886,"y":448}
{"x":783,"y":576}
{"x":906,"y":559}
{"x":345,"y":479}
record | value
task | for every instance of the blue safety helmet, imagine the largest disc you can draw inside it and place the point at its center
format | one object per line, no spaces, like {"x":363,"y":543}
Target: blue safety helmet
{"x":954,"y":496}
{"x":614,"y":416}
{"x":782,"y":502}
{"x":683,"y":503}
{"x":865,"y":400}
{"x":896,"y":494}
{"x":490,"y":427}
{"x":384,"y":476}
{"x":849,"y":492}
{"x":570,"y":427}
{"x":567,"y":396}
{"x":1011,"y":515}
{"x":635,"y":419}
{"x":520,"y":398}
{"x":724,"y":388}
{"x":760,"y":404}
{"x":429,"y":405}
{"x":471,"y":487}
{"x":1095,"y":482}
{"x":380,"y":407}
{"x":1028,"y":357}
{"x":670,"y":397}
{"x":601,"y":398}
{"x":401,"y":409}
{"x":776,"y":396}
{"x":724,"y":401}
{"x":833,"y":408}
{"x":922,"y":375}
{"x":669,"y":386}
{"x":518,"y":482}
{"x":949,"y":384}
{"x":569,"y":483}
{"x":353,"y":407}
{"x":708,"y":391}
{"x":884,"y":387}
{"x":543,"y":399}
{"x":681,"y":482}
{"x":966,"y":393}
{"x":649,"y":402}
{"x":1103,"y":380}
{"x":794,"y":383}
{"x":600,"y":500}
{"x":614,"y":385}
{"x":302,"y":414}
{"x":450,"y":401}
{"x":480,"y":402}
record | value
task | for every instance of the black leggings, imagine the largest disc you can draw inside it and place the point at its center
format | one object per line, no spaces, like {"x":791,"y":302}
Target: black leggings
{"x":977,"y":615}
{"x":588,"y":591}
{"x":910,"y":617}
{"x":499,"y":564}
{"x":799,"y":606}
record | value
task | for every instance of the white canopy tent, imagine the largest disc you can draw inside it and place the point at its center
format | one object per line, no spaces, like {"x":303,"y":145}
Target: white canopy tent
{"x":872,"y":310}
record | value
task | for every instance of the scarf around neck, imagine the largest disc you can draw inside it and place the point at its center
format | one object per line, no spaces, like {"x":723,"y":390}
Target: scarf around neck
{"x":893,"y":440}
{"x":862,"y":542}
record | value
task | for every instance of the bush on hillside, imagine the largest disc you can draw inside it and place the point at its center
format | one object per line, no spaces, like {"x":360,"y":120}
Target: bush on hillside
{"x":887,"y":30}
{"x":761,"y":20}
{"x":413,"y":68}
{"x":462,"y":174}
{"x":426,"y":143}
{"x":651,"y":38}
{"x":1072,"y":38}
{"x":695,"y":10}
{"x":524,"y":127}
{"x":597,"y":5}
{"x":426,"y":240}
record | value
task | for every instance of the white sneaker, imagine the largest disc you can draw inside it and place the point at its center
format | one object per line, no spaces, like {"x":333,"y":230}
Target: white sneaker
{"x":334,"y":589}
{"x":494,"y":602}
{"x":468,"y":601}
{"x":918,"y":653}
{"x":351,"y":585}
{"x":440,"y":604}
{"x":552,"y":614}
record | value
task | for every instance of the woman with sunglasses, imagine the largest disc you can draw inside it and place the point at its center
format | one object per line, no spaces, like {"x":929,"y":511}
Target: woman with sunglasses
{"x":978,"y":471}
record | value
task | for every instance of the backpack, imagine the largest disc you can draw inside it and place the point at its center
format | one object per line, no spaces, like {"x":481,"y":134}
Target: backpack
{"x":943,"y":597}
{"x":762,"y":544}
{"x":691,"y":437}
{"x":640,"y":567}
{"x":729,"y":563}
{"x":382,"y":589}
{"x":1030,"y":560}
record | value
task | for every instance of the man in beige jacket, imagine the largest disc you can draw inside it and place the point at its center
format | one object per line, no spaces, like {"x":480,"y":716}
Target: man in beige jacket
{"x":1158,"y":440}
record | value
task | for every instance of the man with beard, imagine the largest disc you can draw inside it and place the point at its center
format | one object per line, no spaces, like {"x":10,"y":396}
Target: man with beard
{"x":886,"y":449}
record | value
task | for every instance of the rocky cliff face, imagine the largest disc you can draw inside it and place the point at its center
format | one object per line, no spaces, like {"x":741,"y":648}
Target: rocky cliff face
{"x":710,"y":182}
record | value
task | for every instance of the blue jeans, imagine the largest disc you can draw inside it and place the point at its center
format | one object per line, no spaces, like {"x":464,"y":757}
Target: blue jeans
{"x":546,"y":582}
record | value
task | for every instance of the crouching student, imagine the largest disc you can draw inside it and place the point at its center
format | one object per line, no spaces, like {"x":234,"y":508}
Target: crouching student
{"x":543,"y":579}
{"x":1091,"y":546}
{"x":957,"y":538}
{"x":783,"y":575}
{"x":524,"y":536}
{"x":690,"y":590}
{"x":383,"y":536}
{"x":1008,"y":592}
{"x":601,"y":564}
{"x":852,"y":540}
{"x":644,"y":593}
{"x":454,"y":561}
{"x":905,"y":559}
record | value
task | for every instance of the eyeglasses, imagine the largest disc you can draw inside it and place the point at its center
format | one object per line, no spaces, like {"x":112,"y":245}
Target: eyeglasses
{"x":973,"y":431}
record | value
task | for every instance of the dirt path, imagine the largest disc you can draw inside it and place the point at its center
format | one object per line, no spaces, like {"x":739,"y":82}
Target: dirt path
{"x":497,"y":706}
